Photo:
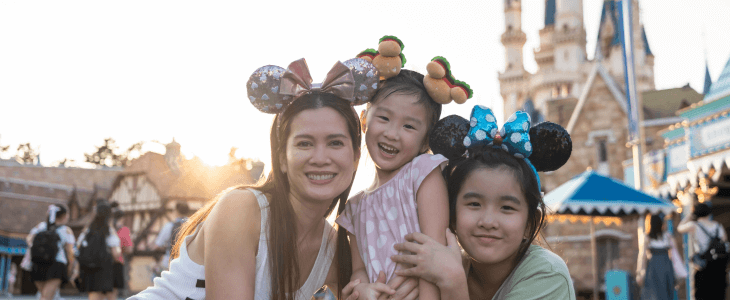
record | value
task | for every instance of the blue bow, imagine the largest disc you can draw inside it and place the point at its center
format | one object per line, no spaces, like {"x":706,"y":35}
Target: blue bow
{"x":514,"y":137}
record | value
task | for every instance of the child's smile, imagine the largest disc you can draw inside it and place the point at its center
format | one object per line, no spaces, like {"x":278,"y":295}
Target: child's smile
{"x":395,"y":133}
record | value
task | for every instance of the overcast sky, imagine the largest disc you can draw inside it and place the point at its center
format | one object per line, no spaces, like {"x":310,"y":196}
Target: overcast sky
{"x":75,"y":72}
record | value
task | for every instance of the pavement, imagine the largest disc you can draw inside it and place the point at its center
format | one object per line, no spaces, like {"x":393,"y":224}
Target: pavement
{"x":32,"y":297}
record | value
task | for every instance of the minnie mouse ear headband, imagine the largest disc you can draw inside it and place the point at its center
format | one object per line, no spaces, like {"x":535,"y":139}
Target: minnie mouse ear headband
{"x":272,"y":88}
{"x":439,"y":82}
{"x":545,"y":147}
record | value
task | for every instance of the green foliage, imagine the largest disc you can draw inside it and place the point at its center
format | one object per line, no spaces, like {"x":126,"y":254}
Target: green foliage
{"x":107,"y":154}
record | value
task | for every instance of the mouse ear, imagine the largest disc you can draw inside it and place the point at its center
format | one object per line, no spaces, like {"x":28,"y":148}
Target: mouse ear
{"x":447,"y":137}
{"x":551,"y":146}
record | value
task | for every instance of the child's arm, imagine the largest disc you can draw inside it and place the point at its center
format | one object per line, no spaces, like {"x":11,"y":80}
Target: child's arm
{"x":433,"y":217}
{"x":366,"y":289}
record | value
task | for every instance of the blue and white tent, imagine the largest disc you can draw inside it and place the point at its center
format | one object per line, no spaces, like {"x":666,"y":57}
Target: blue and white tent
{"x":592,"y":194}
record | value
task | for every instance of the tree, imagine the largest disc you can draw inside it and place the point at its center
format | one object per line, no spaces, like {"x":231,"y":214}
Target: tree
{"x":27,"y":154}
{"x":108,"y":154}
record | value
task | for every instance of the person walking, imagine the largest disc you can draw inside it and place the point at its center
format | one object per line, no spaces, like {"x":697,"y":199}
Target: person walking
{"x":98,"y":246}
{"x":657,"y":274}
{"x":51,"y":246}
{"x":168,"y":234}
{"x":710,"y":280}
{"x":127,"y":247}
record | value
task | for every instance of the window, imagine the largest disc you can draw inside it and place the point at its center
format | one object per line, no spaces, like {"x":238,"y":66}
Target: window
{"x":564,"y":89}
{"x":555,"y":92}
{"x":602,"y":148}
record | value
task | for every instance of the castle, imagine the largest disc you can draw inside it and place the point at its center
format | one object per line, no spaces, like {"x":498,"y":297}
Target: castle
{"x":587,"y":97}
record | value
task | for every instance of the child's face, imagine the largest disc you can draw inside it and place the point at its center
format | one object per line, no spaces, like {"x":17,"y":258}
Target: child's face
{"x":491,"y":216}
{"x":395,"y":131}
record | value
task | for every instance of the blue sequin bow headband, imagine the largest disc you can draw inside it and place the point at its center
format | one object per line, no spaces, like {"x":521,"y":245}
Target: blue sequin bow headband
{"x":514,"y":137}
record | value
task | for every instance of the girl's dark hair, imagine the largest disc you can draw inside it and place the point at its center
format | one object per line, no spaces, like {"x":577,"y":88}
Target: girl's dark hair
{"x":655,"y":227}
{"x":409,"y":82}
{"x":282,"y":235}
{"x":59,"y":214}
{"x":702,"y":210}
{"x":457,"y":171}
{"x":100,"y":223}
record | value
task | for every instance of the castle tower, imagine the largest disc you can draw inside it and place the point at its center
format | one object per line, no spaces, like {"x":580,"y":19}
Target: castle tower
{"x":513,"y":79}
{"x":569,"y":37}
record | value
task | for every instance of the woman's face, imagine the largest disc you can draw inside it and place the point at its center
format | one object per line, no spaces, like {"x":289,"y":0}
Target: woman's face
{"x":320,"y":161}
{"x":491,"y":216}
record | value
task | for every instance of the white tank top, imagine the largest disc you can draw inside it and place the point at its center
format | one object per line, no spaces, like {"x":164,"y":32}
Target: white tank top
{"x":186,"y":280}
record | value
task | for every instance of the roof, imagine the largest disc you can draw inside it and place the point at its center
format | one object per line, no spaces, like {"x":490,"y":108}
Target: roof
{"x":610,"y":13}
{"x":24,"y":203}
{"x":665,"y":103}
{"x":721,"y":87}
{"x":195,"y":180}
{"x":549,"y":12}
{"x":78,"y":177}
{"x":597,"y":70}
{"x":708,"y":80}
{"x":593,"y":194}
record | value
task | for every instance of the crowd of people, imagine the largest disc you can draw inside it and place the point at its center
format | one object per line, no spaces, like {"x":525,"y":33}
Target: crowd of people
{"x":93,"y":262}
{"x":454,"y":222}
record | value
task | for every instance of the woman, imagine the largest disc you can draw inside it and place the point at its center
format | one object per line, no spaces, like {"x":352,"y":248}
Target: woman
{"x":97,"y":269}
{"x":48,"y":277}
{"x":495,"y":208}
{"x":657,"y":274}
{"x":711,"y":281}
{"x":224,"y":247}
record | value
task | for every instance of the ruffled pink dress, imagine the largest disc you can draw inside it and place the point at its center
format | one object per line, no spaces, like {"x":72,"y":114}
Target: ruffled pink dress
{"x":381,"y":218}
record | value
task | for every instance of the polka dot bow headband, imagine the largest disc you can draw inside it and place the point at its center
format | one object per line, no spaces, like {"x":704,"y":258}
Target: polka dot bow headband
{"x":514,"y":137}
{"x":548,"y":145}
{"x":272,"y":88}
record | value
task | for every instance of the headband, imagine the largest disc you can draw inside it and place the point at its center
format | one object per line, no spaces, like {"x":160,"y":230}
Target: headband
{"x":439,"y":82}
{"x":272,"y":89}
{"x":545,"y":146}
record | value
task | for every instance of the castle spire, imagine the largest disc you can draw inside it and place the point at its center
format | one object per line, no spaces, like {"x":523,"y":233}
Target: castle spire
{"x":708,"y":80}
{"x":513,"y":38}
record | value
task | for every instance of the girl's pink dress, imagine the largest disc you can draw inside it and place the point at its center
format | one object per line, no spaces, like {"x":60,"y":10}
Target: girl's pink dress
{"x":381,"y":218}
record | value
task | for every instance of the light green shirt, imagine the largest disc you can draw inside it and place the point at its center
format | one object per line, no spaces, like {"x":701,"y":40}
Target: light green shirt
{"x":541,"y":274}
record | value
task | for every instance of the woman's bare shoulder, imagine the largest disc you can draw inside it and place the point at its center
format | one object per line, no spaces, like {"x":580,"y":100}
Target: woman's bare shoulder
{"x":237,"y":209}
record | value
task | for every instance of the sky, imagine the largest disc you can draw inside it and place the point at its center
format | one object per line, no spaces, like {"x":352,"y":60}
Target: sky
{"x":73,"y":73}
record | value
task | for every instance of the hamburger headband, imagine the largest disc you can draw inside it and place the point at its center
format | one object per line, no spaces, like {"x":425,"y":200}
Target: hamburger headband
{"x":439,"y":82}
{"x":272,"y":89}
{"x":545,"y":146}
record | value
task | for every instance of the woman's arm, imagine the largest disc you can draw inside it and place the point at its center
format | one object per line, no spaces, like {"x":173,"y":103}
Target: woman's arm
{"x":687,"y":224}
{"x":434,"y":263}
{"x":230,"y":242}
{"x":433,"y":217}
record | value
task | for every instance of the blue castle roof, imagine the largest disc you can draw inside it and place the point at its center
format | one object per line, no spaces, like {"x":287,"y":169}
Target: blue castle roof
{"x":549,"y":12}
{"x":610,"y":13}
{"x":721,"y":87}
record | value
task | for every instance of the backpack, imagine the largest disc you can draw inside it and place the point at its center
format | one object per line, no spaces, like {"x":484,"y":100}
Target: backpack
{"x":93,"y":252}
{"x":45,"y":246}
{"x":173,"y":233}
{"x":716,"y":253}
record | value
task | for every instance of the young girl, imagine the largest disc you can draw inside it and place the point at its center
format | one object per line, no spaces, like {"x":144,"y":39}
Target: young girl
{"x":49,"y":276}
{"x":496,"y":210}
{"x":408,"y":193}
{"x":652,"y":269}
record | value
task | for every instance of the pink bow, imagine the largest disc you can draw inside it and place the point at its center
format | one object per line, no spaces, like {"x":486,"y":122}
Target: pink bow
{"x":297,"y":81}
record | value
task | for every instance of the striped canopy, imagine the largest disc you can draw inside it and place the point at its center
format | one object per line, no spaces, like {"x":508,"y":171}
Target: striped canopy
{"x":593,"y":194}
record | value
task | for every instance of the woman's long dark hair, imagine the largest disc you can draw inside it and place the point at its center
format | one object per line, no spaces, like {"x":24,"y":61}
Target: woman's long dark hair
{"x":656,"y":225}
{"x":282,"y":231}
{"x":494,"y":158}
{"x":100,"y":223}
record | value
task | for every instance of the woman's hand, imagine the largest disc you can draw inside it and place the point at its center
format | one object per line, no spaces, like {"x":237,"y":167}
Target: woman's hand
{"x":348,"y":292}
{"x":431,"y":261}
